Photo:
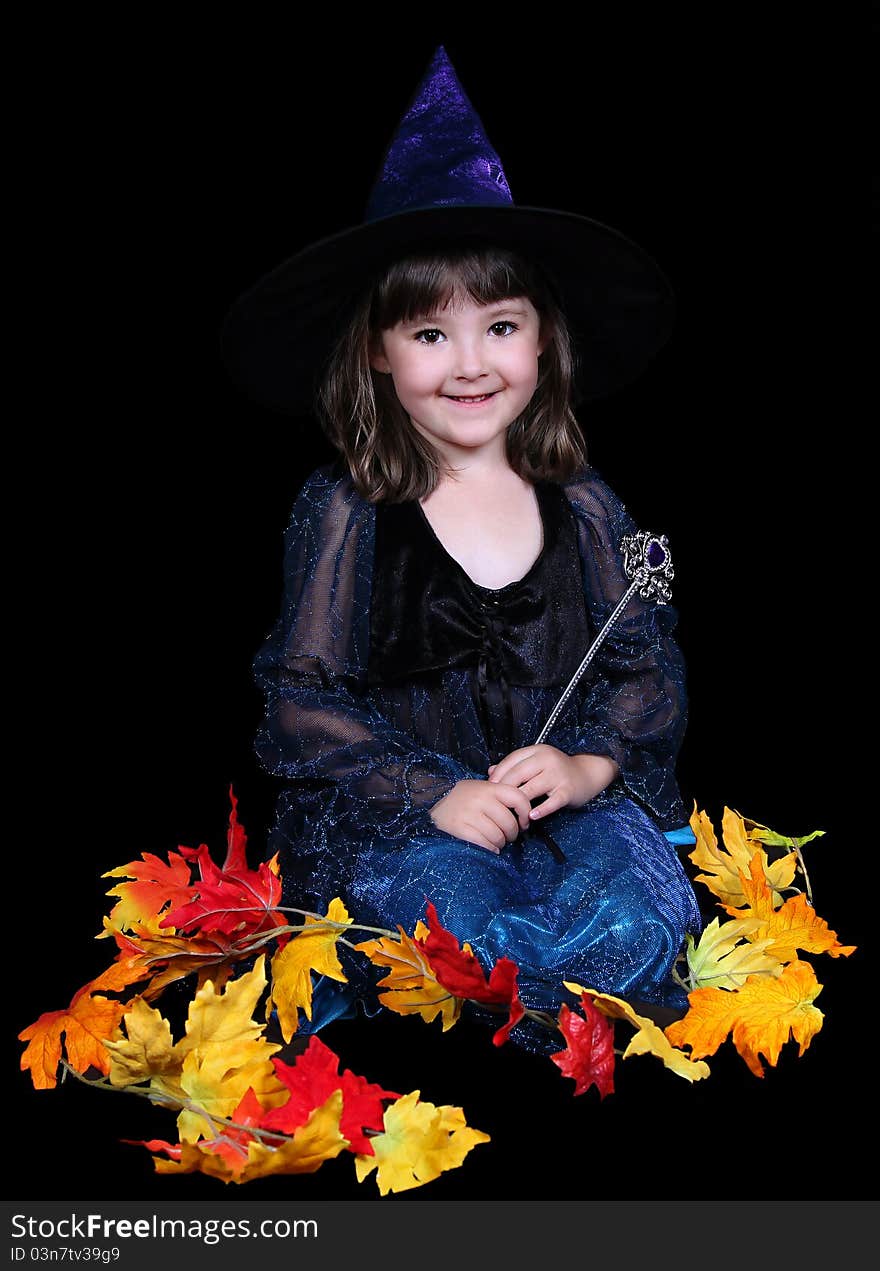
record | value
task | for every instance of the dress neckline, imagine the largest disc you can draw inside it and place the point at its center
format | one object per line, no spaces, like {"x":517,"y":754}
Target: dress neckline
{"x":517,"y":582}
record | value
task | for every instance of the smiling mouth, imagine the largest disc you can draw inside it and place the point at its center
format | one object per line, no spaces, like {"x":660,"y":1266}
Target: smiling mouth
{"x":481,"y":397}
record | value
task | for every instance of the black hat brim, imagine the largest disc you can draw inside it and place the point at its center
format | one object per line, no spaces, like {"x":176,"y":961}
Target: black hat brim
{"x":276,"y":337}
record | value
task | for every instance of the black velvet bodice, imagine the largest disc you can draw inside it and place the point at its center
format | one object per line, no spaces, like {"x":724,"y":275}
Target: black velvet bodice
{"x":427,"y":615}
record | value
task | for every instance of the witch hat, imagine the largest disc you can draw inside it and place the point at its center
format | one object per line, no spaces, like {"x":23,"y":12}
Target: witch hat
{"x":441,"y":182}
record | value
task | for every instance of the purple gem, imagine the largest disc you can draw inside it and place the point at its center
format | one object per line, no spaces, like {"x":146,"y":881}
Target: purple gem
{"x":656,"y":554}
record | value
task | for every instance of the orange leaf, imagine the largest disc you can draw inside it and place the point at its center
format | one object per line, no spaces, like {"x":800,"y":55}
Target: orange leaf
{"x":760,"y":1017}
{"x":85,"y":1025}
{"x":125,"y":970}
{"x":155,"y":885}
{"x":411,"y":987}
{"x":794,"y":925}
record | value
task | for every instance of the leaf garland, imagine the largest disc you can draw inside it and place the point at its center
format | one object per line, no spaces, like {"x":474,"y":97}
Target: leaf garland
{"x":243,"y":1112}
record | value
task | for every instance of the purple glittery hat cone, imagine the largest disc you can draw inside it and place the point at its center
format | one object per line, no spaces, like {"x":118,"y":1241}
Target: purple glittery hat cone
{"x":440,"y":155}
{"x":442,"y":182}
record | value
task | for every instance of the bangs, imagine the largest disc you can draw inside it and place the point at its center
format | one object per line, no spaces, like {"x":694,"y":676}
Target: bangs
{"x":421,"y":285}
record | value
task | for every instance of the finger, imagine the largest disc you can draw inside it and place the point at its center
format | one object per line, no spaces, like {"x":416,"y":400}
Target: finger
{"x":506,"y":822}
{"x":529,"y":770}
{"x":500,"y":770}
{"x":512,"y":798}
{"x":479,"y":839}
{"x":494,"y":834}
{"x":552,"y":803}
{"x":534,"y":788}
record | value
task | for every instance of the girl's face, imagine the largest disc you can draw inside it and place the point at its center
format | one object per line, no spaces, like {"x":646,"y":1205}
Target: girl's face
{"x":465,"y":374}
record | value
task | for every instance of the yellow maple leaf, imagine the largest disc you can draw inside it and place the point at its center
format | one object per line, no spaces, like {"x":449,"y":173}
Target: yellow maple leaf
{"x":794,"y":925}
{"x":223,"y":1053}
{"x":317,"y":1141}
{"x":648,"y":1038}
{"x":723,"y":866}
{"x":728,"y":953}
{"x":311,"y":950}
{"x":760,"y":1017}
{"x":410,"y":985}
{"x":217,"y":1078}
{"x":420,"y":1141}
{"x":146,"y":1051}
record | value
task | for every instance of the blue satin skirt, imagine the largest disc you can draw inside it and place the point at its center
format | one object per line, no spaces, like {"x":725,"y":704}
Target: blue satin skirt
{"x":612,"y":916}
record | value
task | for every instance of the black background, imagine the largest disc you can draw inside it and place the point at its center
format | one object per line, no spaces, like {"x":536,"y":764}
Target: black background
{"x":162,"y":176}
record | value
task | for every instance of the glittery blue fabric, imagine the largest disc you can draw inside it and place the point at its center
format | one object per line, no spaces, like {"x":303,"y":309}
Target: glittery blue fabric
{"x":365,"y":761}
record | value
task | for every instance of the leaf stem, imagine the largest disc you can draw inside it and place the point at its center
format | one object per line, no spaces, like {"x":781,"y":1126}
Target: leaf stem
{"x":803,"y":867}
{"x":171,"y":1102}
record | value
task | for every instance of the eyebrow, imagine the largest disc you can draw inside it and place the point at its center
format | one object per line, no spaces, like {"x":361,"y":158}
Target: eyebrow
{"x":497,"y":312}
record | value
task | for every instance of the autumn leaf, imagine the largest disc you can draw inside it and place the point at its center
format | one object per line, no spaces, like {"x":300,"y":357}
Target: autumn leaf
{"x":236,"y":839}
{"x":589,"y":1054}
{"x":146,"y":1051}
{"x":794,"y":925}
{"x":723,"y":866}
{"x":727,"y":954}
{"x":770,"y":837}
{"x":460,"y":972}
{"x":163,"y":898}
{"x":760,"y":1017}
{"x":121,"y":974}
{"x":231,"y":902}
{"x":317,"y":1141}
{"x":311,"y":1079}
{"x":313,"y":949}
{"x":648,"y":1038}
{"x":84,"y":1026}
{"x":155,"y":884}
{"x":168,"y":958}
{"x":420,"y":1141}
{"x":411,"y":987}
{"x":223,"y":1052}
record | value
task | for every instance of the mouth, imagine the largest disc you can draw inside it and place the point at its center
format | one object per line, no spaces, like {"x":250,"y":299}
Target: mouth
{"x":473,"y":401}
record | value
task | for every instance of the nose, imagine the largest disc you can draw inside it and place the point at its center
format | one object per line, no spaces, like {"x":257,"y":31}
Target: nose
{"x":469,"y":361}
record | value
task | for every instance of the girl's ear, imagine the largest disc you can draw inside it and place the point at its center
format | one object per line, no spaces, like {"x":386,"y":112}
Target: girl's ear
{"x":378,"y":360}
{"x":545,"y":338}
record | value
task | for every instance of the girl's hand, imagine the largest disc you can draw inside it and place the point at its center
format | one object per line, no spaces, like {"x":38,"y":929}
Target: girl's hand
{"x":480,"y":812}
{"x":566,"y":780}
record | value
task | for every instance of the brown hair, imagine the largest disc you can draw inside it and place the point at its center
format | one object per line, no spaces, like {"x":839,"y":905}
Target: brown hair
{"x":359,"y":410}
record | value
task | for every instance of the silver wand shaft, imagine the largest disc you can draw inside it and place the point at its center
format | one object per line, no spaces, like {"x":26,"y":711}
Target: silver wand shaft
{"x":648,"y":562}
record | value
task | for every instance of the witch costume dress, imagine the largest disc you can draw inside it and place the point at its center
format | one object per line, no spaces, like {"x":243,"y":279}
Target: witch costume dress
{"x":390,"y":676}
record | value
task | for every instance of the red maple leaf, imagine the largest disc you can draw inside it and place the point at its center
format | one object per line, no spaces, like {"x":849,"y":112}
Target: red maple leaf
{"x":233,"y":900}
{"x":311,"y":1080}
{"x":589,"y":1055}
{"x":460,"y":973}
{"x":236,"y":839}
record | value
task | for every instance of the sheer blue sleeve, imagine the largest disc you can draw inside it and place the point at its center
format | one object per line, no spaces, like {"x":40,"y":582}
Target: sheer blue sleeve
{"x":632,"y":703}
{"x":319,"y":725}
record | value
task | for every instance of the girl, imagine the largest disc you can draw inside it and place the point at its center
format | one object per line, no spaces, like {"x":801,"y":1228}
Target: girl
{"x":445,"y":576}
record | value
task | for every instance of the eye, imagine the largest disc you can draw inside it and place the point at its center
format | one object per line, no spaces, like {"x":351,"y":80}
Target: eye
{"x":433,"y":331}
